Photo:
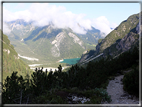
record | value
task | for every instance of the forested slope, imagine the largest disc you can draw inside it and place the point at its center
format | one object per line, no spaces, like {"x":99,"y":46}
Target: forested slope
{"x":11,"y":61}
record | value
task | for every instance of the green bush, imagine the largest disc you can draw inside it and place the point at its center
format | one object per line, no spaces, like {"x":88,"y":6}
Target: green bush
{"x":103,"y":94}
{"x":49,"y":98}
{"x":13,"y":89}
{"x":97,"y":96}
{"x":131,"y":82}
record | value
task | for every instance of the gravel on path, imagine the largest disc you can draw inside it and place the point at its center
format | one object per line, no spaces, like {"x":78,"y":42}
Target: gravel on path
{"x":118,"y":95}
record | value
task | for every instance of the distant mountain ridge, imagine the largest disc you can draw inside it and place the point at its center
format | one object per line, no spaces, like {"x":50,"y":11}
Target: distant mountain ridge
{"x":19,"y":21}
{"x":50,"y":43}
{"x":92,"y":36}
{"x":23,"y":26}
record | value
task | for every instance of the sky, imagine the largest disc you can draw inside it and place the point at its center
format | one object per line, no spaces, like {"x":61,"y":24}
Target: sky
{"x":102,"y":16}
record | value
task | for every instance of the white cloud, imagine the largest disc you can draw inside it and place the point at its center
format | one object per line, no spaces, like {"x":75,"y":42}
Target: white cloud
{"x":103,"y":24}
{"x":43,"y":13}
{"x":6,"y":29}
{"x":0,"y":17}
{"x":113,"y":25}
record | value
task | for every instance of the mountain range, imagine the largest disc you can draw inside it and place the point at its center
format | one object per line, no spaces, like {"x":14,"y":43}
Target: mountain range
{"x":50,"y":44}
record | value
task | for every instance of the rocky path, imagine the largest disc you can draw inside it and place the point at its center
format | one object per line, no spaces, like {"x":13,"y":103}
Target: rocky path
{"x":118,"y":95}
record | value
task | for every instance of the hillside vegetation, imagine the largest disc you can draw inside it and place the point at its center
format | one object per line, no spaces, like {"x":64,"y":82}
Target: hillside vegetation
{"x":11,"y":61}
{"x":121,"y":39}
{"x":58,"y":87}
{"x":118,"y":33}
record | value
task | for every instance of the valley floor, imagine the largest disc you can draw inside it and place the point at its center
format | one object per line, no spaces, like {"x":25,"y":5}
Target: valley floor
{"x":118,"y":95}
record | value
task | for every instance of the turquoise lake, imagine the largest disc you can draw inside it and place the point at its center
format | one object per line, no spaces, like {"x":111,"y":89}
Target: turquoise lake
{"x":71,"y":61}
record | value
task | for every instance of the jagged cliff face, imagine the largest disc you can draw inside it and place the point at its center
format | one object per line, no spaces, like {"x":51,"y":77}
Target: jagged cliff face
{"x":121,"y":39}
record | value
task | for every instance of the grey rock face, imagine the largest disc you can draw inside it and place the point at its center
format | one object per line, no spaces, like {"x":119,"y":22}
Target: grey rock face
{"x":55,"y":49}
{"x":126,"y":42}
{"x":73,"y":99}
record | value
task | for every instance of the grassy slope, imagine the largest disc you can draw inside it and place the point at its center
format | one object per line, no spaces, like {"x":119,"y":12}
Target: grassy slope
{"x":11,"y":62}
{"x":123,"y":29}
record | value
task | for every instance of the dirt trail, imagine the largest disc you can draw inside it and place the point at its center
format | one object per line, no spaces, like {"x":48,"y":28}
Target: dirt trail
{"x":118,"y":95}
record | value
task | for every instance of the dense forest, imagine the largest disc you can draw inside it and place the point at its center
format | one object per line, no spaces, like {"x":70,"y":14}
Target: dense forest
{"x":57,"y":87}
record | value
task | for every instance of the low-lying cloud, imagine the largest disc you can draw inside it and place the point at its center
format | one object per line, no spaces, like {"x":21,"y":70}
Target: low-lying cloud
{"x":43,"y":13}
{"x":102,"y":23}
{"x":6,"y":29}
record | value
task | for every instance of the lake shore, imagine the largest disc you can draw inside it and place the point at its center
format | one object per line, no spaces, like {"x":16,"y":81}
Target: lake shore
{"x":49,"y":68}
{"x":60,"y":60}
{"x":33,"y":65}
{"x":28,"y":58}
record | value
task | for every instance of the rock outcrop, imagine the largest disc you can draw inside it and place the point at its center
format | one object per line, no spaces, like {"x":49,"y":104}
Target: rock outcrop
{"x":6,"y":50}
{"x":76,"y":39}
{"x":127,"y":42}
{"x":55,"y":49}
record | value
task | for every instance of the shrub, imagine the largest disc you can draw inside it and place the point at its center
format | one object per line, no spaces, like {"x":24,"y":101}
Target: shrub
{"x":103,"y":94}
{"x":49,"y":98}
{"x":13,"y":89}
{"x":131,"y":82}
